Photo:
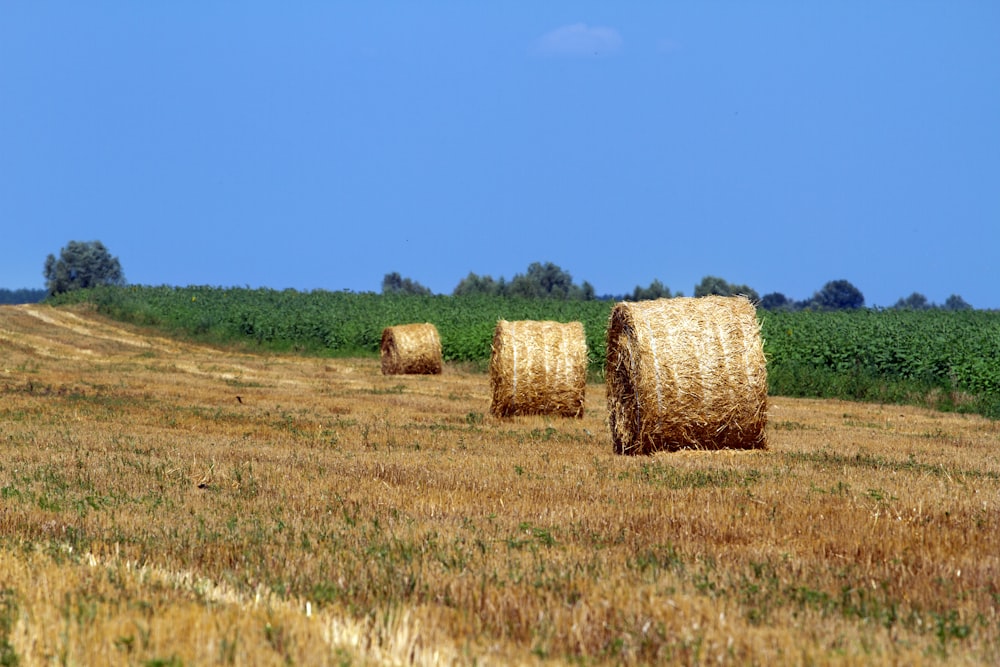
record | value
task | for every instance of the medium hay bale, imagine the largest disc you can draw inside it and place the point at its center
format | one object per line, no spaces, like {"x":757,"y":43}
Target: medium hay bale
{"x":686,"y":373}
{"x":411,"y":349}
{"x":538,"y":367}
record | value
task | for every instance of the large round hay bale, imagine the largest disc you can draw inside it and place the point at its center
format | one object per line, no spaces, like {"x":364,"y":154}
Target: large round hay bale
{"x":686,"y":373}
{"x":538,"y":368}
{"x":411,"y":349}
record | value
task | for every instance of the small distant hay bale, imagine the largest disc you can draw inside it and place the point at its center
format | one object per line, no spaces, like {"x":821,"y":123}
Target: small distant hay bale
{"x":411,"y":349}
{"x":538,"y":368}
{"x":686,"y":373}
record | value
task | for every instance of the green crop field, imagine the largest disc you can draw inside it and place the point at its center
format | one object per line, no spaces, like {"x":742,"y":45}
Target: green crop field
{"x":947,"y":359}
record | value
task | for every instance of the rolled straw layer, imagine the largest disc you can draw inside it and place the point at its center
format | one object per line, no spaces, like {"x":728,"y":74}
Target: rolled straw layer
{"x":411,"y":349}
{"x":538,"y":367}
{"x":686,"y":373}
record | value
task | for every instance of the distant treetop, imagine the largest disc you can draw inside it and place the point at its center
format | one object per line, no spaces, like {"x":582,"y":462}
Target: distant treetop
{"x":549,"y":281}
{"x":838,"y":295}
{"x":540,"y":281}
{"x":710,"y":285}
{"x":656,"y":290}
{"x":918,"y":301}
{"x":393,"y":283}
{"x":82,"y":264}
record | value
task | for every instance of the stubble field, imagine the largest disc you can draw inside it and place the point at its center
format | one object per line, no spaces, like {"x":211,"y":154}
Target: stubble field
{"x":163,"y":503}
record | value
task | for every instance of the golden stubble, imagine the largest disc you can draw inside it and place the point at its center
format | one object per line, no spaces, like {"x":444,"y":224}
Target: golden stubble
{"x":164,"y":501}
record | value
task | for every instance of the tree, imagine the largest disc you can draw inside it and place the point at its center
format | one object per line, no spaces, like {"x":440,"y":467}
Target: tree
{"x":584,"y":292}
{"x":955,"y":302}
{"x":474,"y":284}
{"x":82,"y":264}
{"x":915,"y":301}
{"x":838,"y":295}
{"x":656,"y":290}
{"x":545,"y":281}
{"x":393,"y":283}
{"x":548,"y":281}
{"x":776,"y":301}
{"x":541,"y":281}
{"x":715,"y":285}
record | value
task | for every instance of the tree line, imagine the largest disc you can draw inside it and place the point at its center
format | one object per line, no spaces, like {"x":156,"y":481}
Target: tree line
{"x":15,"y":296}
{"x":83,"y":264}
{"x":547,"y":280}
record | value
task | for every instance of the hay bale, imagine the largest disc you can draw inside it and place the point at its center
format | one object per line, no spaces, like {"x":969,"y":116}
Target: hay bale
{"x":412,"y":349}
{"x":686,"y":373}
{"x":538,"y":368}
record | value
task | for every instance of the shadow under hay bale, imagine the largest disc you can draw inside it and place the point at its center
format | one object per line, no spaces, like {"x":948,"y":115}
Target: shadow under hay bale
{"x":411,"y":349}
{"x":538,"y":368}
{"x":686,"y":373}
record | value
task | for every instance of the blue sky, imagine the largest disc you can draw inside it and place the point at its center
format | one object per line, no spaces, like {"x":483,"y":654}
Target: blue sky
{"x":321,"y":145}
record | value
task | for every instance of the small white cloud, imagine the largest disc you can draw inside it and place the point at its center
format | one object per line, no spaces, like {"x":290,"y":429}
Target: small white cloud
{"x":579,"y":39}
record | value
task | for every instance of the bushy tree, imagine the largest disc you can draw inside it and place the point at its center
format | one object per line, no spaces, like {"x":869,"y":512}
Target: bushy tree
{"x":776,"y":301}
{"x":714,"y":285}
{"x":393,"y":283}
{"x":838,"y":295}
{"x":474,"y":284}
{"x":541,"y":281}
{"x":82,"y":264}
{"x":584,"y":292}
{"x":955,"y":302}
{"x":656,"y":290}
{"x":915,"y":301}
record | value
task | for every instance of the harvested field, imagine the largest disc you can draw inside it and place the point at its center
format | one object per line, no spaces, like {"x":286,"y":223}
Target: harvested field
{"x":168,"y":503}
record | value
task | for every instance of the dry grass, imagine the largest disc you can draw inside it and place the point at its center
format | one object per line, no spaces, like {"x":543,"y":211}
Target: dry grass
{"x":164,"y":504}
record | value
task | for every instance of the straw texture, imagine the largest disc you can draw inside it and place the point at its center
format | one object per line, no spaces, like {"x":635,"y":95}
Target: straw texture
{"x":411,"y":349}
{"x":538,"y":368}
{"x":686,"y":373}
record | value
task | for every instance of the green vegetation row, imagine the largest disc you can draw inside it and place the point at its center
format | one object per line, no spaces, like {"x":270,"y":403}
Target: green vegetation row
{"x":949,"y":358}
{"x":334,"y":323}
